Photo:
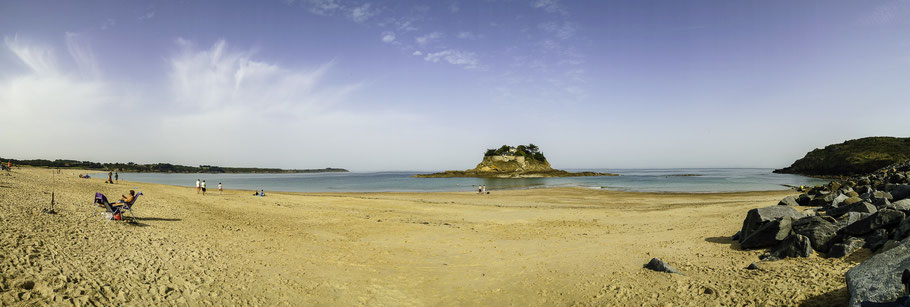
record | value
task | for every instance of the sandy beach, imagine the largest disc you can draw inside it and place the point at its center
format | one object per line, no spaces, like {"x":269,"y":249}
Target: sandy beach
{"x":565,"y":246}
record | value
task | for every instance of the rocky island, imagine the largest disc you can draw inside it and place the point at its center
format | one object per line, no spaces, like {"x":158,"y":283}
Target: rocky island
{"x":851,"y":158}
{"x":522,"y":161}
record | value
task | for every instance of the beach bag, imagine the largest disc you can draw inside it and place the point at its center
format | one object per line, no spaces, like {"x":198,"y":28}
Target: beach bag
{"x":117,"y":216}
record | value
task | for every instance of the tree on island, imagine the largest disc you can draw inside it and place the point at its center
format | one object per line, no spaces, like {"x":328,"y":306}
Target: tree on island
{"x":529,"y":151}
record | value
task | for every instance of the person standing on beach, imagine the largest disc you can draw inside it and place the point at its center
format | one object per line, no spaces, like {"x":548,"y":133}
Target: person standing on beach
{"x":117,"y":177}
{"x":198,"y":186}
{"x":219,"y":188}
{"x":203,"y":188}
{"x":483,"y":189}
{"x":109,"y":174}
{"x":479,"y":189}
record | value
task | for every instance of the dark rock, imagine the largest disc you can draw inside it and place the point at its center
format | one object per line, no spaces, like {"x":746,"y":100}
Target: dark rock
{"x":660,"y":266}
{"x":899,"y":192}
{"x":850,"y":218}
{"x":817,"y":229}
{"x":845,"y":248}
{"x":818,"y":201}
{"x":793,"y":246}
{"x":839,"y":199}
{"x":879,"y":278}
{"x":902,"y":231}
{"x":788,"y":201}
{"x":758,"y":217}
{"x":770,"y":234}
{"x":881,"y":219}
{"x":865,"y":186}
{"x":876,"y":239}
{"x":861,"y":207}
{"x":803,"y":199}
{"x":881,"y":203}
{"x":753,"y":266}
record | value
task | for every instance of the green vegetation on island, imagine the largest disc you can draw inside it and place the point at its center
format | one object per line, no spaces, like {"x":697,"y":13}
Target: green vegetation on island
{"x":522,"y":161}
{"x":158,"y":167}
{"x":853,"y":157}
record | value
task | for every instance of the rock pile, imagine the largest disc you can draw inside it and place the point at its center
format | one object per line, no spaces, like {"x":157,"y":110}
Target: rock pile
{"x":858,"y":212}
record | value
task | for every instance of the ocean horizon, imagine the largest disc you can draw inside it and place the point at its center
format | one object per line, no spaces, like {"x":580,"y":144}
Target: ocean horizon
{"x":693,"y":180}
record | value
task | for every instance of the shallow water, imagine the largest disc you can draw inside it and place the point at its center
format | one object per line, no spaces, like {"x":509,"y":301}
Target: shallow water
{"x":643,"y":180}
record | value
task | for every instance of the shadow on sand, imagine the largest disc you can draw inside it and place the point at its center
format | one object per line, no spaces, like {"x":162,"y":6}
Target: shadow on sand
{"x":734,"y":245}
{"x":836,"y":297}
{"x":159,"y":219}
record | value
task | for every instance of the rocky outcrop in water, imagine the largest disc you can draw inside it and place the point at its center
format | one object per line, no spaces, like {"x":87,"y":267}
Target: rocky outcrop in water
{"x":513,"y":162}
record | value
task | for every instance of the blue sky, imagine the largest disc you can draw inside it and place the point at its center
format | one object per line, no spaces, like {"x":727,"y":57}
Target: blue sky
{"x":428,"y":85}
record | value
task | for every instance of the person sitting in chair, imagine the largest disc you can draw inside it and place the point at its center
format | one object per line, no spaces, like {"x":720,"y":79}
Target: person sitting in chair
{"x":125,"y":199}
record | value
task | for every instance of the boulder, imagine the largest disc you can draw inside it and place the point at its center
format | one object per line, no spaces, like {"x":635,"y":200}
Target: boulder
{"x":819,"y":201}
{"x":788,"y":201}
{"x":861,"y":207}
{"x":878,"y":279}
{"x":901,"y":205}
{"x":839,"y":199}
{"x":660,"y":266}
{"x":881,"y":219}
{"x":852,"y":200}
{"x":899,"y":191}
{"x":770,"y":234}
{"x":876,"y":239}
{"x":803,"y":199}
{"x":818,"y":230}
{"x":902,"y":231}
{"x":889,"y":245}
{"x":850,"y":218}
{"x":881,"y":203}
{"x":753,"y":266}
{"x":758,"y":217}
{"x":845,"y":248}
{"x":793,"y":246}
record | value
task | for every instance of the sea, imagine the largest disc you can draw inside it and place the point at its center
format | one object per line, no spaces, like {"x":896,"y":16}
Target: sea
{"x":696,"y":180}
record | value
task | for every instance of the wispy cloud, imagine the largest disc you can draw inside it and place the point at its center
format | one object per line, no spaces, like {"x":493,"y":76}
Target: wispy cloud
{"x":466,"y":35}
{"x":886,"y":13}
{"x":428,"y":38}
{"x":38,"y":59}
{"x":148,"y":15}
{"x":549,"y":6}
{"x":107,"y":24}
{"x":362,"y":13}
{"x":455,"y":57}
{"x":82,"y":53}
{"x":563,"y":30}
{"x":388,"y":36}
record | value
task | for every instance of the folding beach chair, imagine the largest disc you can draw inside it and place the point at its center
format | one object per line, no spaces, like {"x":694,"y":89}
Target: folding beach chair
{"x":101,"y":203}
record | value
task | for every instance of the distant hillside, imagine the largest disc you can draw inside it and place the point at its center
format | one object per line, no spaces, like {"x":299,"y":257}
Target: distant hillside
{"x":159,"y":167}
{"x":853,"y":157}
{"x":522,"y":161}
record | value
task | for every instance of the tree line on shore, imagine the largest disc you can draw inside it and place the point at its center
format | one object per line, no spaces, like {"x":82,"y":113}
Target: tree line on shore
{"x":157,"y":167}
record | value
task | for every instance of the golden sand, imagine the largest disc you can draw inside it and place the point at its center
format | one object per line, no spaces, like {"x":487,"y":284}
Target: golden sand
{"x":566,"y":246}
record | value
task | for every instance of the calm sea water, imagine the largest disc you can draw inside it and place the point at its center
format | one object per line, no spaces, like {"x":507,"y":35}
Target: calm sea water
{"x":644,"y":180}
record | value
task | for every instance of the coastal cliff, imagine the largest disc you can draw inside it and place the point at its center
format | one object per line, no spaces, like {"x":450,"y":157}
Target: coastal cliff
{"x":523,"y":161}
{"x":853,"y":157}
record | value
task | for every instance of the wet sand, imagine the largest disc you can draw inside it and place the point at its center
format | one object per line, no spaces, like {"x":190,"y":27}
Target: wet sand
{"x":566,"y":246}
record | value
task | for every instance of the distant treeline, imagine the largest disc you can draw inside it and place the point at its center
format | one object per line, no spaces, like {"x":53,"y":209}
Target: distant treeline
{"x":158,"y":167}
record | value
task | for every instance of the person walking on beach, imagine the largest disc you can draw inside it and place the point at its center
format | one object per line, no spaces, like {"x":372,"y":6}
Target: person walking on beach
{"x":219,"y":188}
{"x":479,"y":189}
{"x":198,"y":186}
{"x":109,"y":174}
{"x":203,"y":188}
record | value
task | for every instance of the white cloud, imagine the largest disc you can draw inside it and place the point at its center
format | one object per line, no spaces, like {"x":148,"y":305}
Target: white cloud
{"x":107,"y":24}
{"x":323,"y":7}
{"x":388,"y":36}
{"x":454,"y":7}
{"x":147,"y":16}
{"x":466,"y":35}
{"x":38,"y":59}
{"x":549,"y":6}
{"x":455,"y":57}
{"x":564,"y":30}
{"x":417,"y":53}
{"x":428,"y":38}
{"x":82,"y":54}
{"x":362,"y":13}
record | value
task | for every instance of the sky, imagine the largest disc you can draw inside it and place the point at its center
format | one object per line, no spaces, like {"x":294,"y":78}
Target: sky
{"x":430,"y":85}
